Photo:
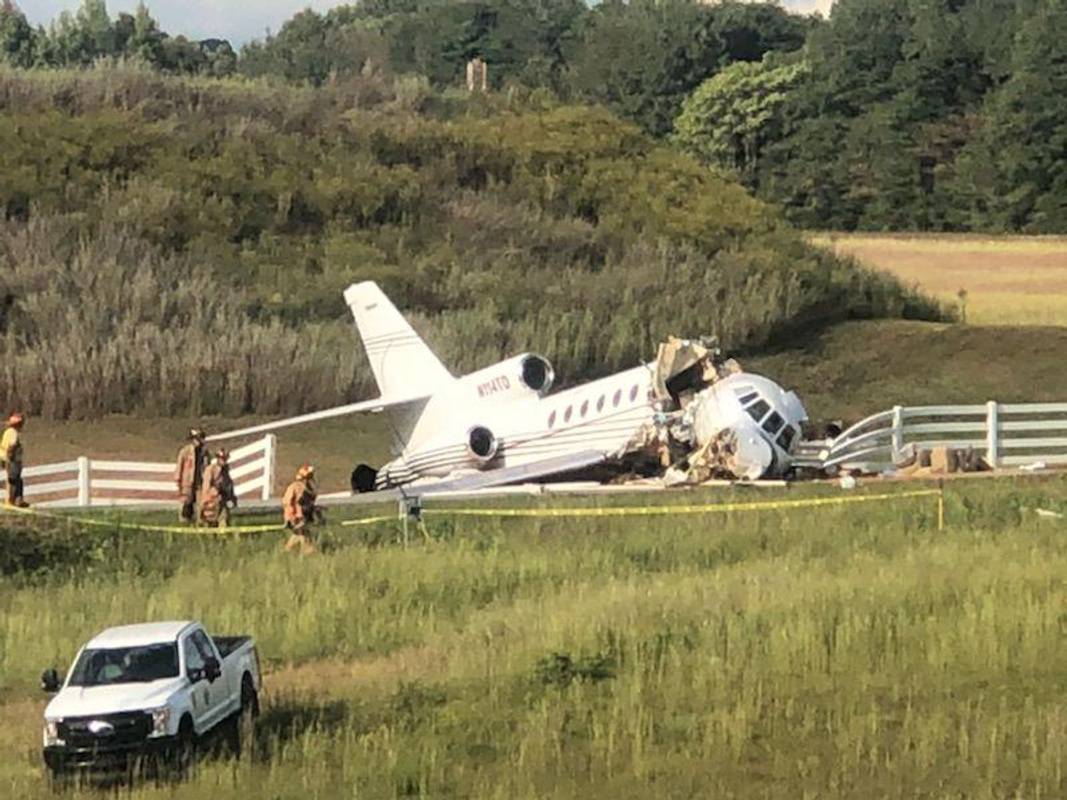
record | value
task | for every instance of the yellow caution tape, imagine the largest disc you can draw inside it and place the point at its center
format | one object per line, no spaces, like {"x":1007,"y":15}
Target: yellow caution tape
{"x":349,"y":523}
{"x":609,"y":511}
{"x":105,"y":523}
{"x":710,"y":508}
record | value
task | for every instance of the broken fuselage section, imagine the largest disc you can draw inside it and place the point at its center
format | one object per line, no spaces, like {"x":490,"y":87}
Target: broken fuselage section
{"x":713,"y":420}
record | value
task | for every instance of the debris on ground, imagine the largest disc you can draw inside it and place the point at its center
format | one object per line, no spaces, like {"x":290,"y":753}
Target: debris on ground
{"x":1034,"y":467}
{"x":915,"y":462}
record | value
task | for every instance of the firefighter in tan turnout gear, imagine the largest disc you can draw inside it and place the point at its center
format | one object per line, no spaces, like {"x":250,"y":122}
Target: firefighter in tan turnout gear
{"x":299,"y":510}
{"x":217,"y":495}
{"x":189,"y":473}
{"x":11,"y":459}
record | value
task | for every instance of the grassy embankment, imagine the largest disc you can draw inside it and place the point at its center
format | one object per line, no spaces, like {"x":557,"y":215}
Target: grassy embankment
{"x":849,"y":652}
{"x":1009,"y":280}
{"x":173,"y":247}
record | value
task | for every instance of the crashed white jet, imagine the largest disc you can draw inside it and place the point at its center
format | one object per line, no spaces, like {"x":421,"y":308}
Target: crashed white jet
{"x":500,"y":425}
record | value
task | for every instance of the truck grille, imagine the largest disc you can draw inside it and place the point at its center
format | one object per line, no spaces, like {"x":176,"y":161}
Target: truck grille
{"x":106,"y":731}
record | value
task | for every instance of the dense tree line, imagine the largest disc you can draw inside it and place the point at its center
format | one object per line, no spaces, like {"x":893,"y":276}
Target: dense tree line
{"x":176,"y":244}
{"x":640,"y":57}
{"x":902,"y":114}
{"x":81,"y":38}
{"x":891,"y":114}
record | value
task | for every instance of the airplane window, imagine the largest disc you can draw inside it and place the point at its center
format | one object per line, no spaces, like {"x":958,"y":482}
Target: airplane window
{"x":758,"y":409}
{"x":785,"y":438}
{"x":585,"y":407}
{"x":600,"y":404}
{"x":552,"y":420}
{"x":617,"y":398}
{"x":633,"y":394}
{"x":773,"y":423}
{"x":747,"y":398}
{"x":567,"y":414}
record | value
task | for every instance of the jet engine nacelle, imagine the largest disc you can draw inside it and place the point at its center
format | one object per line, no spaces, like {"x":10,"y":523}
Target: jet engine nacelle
{"x":481,"y":445}
{"x":521,"y":377}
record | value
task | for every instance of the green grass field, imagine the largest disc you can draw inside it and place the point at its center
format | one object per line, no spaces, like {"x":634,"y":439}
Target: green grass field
{"x":1009,"y":280}
{"x":833,"y":652}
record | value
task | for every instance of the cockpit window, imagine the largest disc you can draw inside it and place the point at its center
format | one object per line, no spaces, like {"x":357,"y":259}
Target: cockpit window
{"x":785,"y":438}
{"x":758,"y":410}
{"x":747,"y":397}
{"x":773,"y":423}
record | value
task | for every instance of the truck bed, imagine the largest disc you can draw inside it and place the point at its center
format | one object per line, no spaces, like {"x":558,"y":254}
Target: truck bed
{"x":229,"y":644}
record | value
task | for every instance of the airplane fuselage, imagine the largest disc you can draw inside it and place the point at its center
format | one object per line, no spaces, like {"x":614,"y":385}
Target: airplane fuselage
{"x":607,"y":415}
{"x":604,"y":415}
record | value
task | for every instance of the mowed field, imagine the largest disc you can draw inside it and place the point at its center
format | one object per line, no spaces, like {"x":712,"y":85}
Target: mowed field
{"x":1009,"y":280}
{"x":836,"y":652}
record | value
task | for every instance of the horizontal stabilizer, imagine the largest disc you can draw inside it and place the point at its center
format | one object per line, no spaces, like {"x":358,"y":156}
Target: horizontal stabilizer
{"x":379,"y":404}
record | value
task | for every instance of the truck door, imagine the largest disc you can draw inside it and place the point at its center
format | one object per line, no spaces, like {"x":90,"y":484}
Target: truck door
{"x":218,"y":692}
{"x":200,"y":689}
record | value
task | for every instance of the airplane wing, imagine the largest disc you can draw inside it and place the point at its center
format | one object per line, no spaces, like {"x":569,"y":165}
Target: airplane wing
{"x":474,"y":483}
{"x":378,"y":404}
{"x":506,"y":475}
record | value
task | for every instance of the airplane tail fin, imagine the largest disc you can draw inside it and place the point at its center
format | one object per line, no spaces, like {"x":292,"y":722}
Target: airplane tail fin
{"x":401,"y":361}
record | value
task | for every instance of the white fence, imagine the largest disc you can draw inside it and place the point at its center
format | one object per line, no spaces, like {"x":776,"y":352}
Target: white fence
{"x":1006,"y":435}
{"x":87,"y":482}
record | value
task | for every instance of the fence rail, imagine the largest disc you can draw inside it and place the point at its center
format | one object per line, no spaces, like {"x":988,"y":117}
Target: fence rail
{"x":1006,"y":435}
{"x":86,"y":482}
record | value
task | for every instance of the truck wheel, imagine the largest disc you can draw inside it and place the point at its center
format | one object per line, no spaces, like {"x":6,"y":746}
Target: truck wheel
{"x":244,"y":722}
{"x":58,"y":781}
{"x":185,"y":747}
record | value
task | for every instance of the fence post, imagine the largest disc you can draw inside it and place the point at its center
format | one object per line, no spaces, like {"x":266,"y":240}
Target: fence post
{"x":992,"y":434}
{"x":85,"y":486}
{"x":270,"y":450}
{"x":898,"y":432}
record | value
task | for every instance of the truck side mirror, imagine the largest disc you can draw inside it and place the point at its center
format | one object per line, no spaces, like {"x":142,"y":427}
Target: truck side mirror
{"x":212,"y":670}
{"x":50,"y":681}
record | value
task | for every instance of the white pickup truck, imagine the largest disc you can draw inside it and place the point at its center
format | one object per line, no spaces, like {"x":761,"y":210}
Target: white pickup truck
{"x":141,"y":691}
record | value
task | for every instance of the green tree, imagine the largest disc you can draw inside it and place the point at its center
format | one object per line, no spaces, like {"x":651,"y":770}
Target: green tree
{"x":730,"y":117}
{"x":1013,"y":176}
{"x":145,"y":40}
{"x":97,"y":30}
{"x":642,"y":57}
{"x":18,"y":41}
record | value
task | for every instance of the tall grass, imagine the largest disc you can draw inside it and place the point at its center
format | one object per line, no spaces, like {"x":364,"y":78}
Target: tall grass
{"x":105,"y":322}
{"x":837,"y":653}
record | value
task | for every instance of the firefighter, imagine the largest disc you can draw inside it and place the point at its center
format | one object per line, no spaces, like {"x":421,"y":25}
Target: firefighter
{"x":217,"y":495}
{"x":299,"y":511}
{"x":11,"y":457}
{"x":189,"y":472}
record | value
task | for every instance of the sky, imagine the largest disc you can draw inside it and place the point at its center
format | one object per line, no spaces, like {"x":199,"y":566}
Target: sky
{"x":236,"y":20}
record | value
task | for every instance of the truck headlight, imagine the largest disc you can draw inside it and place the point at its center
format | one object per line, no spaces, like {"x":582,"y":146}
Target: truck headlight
{"x":160,"y":721}
{"x":51,"y":733}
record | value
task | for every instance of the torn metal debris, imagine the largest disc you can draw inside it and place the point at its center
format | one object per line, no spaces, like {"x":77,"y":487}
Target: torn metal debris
{"x":715,"y":421}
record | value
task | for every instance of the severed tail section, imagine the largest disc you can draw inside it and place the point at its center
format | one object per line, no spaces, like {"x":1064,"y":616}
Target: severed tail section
{"x":402,"y":363}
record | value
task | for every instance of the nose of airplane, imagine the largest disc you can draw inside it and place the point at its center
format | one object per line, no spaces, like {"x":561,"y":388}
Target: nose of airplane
{"x":754,"y":457}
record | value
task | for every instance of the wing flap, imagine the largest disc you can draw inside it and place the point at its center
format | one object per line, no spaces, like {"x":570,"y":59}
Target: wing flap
{"x":506,"y":475}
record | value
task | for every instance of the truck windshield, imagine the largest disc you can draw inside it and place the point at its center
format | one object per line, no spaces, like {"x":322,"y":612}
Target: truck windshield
{"x":142,"y":664}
